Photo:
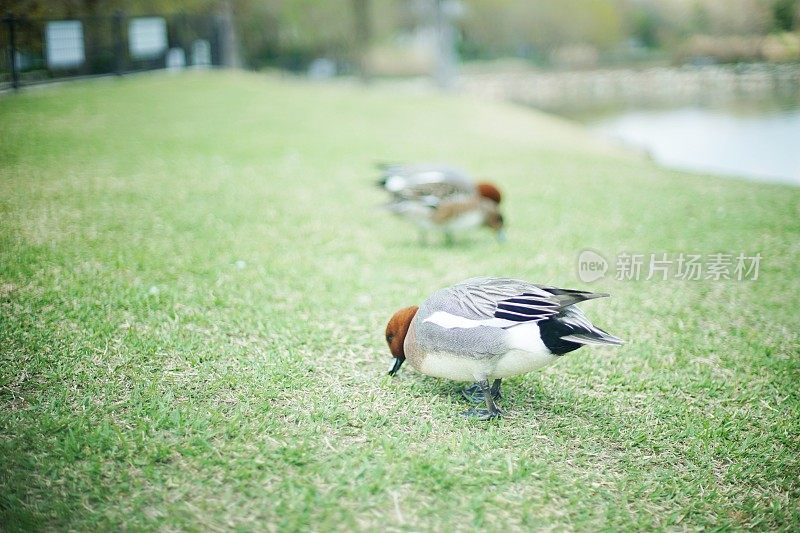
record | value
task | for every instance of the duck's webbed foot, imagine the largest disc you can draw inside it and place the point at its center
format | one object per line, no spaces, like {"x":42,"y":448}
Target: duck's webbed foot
{"x":481,"y":413}
{"x":491,"y":410}
{"x":473,"y":393}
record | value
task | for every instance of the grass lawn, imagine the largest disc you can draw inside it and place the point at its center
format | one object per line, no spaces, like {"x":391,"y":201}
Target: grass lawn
{"x":194,"y":282}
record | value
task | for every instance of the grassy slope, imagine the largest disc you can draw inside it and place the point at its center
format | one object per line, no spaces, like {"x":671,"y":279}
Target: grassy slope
{"x":146,"y":380}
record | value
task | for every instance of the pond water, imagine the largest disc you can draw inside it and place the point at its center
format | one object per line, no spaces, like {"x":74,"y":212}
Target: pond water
{"x":756,"y":141}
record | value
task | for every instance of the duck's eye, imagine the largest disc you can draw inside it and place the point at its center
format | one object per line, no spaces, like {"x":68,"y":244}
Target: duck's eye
{"x":390,"y":337}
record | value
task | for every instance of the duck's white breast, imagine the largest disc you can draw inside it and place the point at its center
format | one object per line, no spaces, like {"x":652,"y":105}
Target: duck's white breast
{"x":458,"y":368}
{"x":518,"y":362}
{"x":527,"y":351}
{"x":465,"y":221}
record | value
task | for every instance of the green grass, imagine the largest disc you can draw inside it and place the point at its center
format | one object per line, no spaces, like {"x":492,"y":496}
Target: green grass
{"x":148,"y":381}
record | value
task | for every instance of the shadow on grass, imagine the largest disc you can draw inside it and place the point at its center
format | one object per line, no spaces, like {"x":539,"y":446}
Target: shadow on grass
{"x":515,"y":394}
{"x":526,"y":400}
{"x":439,"y":244}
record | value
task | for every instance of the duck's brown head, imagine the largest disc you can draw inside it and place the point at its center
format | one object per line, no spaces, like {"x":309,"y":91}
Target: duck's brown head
{"x":396,"y":331}
{"x":489,"y":191}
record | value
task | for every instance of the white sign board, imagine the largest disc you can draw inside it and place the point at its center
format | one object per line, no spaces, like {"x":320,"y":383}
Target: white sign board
{"x":201,"y":53}
{"x":147,"y":37}
{"x":176,"y":59}
{"x":64,"y":44}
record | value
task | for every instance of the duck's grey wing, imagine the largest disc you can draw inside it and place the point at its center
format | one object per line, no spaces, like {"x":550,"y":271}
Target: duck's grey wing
{"x":428,"y":184}
{"x":512,"y":299}
{"x":427,"y":172}
{"x":436,"y":193}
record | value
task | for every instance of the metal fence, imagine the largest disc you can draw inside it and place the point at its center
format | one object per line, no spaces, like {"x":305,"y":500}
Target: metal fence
{"x":36,"y":50}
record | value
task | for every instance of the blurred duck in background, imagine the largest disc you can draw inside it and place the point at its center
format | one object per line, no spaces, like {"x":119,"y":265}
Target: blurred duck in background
{"x":441,"y":199}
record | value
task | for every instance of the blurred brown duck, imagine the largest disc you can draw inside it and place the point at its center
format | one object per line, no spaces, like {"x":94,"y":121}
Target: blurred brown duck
{"x":443,"y":199}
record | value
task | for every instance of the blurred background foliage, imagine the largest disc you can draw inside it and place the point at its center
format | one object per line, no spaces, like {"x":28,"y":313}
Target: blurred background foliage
{"x":392,"y":34}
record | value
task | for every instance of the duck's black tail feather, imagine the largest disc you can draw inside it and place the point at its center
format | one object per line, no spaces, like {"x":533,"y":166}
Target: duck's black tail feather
{"x":601,"y":337}
{"x":567,"y":297}
{"x":570,"y":329}
{"x":386,"y":169}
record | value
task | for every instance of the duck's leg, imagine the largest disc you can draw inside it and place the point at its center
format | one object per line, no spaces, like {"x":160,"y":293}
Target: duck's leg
{"x":448,"y":238}
{"x":474,"y":395}
{"x":496,"y":389}
{"x":491,"y":410}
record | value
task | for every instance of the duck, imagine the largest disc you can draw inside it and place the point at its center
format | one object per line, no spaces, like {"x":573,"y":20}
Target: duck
{"x":443,"y":199}
{"x":485,"y":329}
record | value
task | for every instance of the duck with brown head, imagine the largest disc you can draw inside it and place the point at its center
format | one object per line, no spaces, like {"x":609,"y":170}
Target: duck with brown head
{"x":486,"y":329}
{"x":396,"y":331}
{"x":443,"y":199}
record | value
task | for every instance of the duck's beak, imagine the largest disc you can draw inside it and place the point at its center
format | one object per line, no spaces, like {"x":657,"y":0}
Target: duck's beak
{"x":501,"y":235}
{"x":396,"y":364}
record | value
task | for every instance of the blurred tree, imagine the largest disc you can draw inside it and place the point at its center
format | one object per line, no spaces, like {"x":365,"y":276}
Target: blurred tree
{"x":701,"y":20}
{"x":294,"y":32}
{"x":645,"y":25}
{"x":511,"y":26}
{"x":291,"y":33}
{"x":785,"y":14}
{"x":363,"y":31}
{"x":76,"y":8}
{"x":738,"y":17}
